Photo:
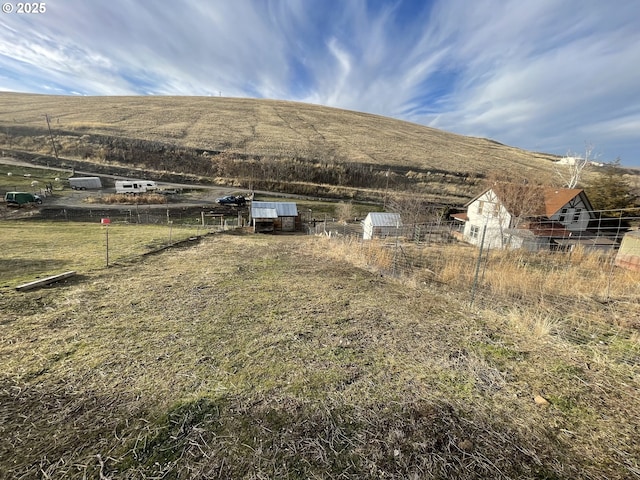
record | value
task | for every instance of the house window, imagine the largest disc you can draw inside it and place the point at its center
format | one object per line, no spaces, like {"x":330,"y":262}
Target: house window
{"x":480,"y":207}
{"x":563,"y":214}
{"x":473,"y":233}
{"x":576,"y":215}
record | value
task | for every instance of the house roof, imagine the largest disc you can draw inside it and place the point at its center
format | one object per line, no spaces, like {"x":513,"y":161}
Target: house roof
{"x":282,"y":209}
{"x":383,"y":219}
{"x":556,"y":198}
{"x":460,"y":216}
{"x":537,"y":200}
{"x":547,"y":229}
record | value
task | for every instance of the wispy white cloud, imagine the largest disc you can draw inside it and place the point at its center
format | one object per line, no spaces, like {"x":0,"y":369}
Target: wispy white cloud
{"x":539,"y":74}
{"x":545,"y":76}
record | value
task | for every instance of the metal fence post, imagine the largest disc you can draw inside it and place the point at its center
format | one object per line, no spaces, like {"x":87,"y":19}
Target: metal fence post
{"x":475,"y":277}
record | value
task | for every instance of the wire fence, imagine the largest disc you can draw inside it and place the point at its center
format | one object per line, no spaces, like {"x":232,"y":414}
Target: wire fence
{"x":148,"y":215}
{"x":579,"y":295}
{"x":432,"y":232}
{"x":605,"y":229}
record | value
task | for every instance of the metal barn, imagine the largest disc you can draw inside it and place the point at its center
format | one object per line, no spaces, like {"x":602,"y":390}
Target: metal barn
{"x":270,"y":217}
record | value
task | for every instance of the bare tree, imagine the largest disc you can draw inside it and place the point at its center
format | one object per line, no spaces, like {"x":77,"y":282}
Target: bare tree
{"x":415,"y":210}
{"x":572,"y":166}
{"x":344,"y":211}
{"x":522,"y":201}
{"x":515,"y":202}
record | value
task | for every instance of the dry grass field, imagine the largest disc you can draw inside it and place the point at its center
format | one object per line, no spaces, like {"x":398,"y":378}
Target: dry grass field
{"x":291,"y":357}
{"x":265,"y":127}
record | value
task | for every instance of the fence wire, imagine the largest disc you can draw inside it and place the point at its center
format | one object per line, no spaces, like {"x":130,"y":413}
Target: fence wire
{"x":146,"y":215}
{"x":580,"y":295}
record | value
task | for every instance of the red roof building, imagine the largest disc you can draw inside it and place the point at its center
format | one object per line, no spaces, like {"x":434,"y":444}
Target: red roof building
{"x":521,"y":215}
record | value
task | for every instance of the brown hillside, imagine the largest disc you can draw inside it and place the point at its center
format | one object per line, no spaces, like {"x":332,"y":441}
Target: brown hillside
{"x":252,"y":128}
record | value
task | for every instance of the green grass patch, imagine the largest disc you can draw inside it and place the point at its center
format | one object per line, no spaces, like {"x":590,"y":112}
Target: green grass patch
{"x":577,"y":411}
{"x":567,"y":371}
{"x":32,"y":250}
{"x":19,"y":178}
{"x":498,"y":354}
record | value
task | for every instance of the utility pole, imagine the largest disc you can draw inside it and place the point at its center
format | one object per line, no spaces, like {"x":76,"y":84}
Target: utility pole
{"x":55,"y":149}
{"x":386,"y":189}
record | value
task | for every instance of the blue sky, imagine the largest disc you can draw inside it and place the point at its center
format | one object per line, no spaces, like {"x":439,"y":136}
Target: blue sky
{"x":544,"y":75}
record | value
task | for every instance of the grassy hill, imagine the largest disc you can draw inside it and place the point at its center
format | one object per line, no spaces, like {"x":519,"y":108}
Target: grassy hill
{"x":285,"y":357}
{"x":297,"y":147}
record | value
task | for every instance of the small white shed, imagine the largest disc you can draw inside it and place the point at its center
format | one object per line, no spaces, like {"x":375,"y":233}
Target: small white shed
{"x":380,"y":225}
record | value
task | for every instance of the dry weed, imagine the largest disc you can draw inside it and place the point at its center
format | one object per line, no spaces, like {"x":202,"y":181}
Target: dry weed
{"x":142,"y":199}
{"x":539,"y":323}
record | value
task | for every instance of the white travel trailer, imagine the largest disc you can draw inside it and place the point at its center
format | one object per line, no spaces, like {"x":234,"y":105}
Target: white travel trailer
{"x":135,"y":186}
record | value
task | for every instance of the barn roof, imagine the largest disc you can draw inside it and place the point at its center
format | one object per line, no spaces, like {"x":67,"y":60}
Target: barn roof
{"x":282,"y":209}
{"x":258,"y":212}
{"x":383,"y":219}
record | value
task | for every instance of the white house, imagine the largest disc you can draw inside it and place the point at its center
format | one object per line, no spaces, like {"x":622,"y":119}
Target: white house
{"x":380,"y":225}
{"x":533,"y":217}
{"x":572,"y":161}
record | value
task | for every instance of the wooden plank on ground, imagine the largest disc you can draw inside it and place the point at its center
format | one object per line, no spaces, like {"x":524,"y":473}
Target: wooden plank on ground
{"x":44,"y":281}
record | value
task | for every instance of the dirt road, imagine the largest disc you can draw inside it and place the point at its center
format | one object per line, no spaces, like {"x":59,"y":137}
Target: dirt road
{"x":197,"y":196}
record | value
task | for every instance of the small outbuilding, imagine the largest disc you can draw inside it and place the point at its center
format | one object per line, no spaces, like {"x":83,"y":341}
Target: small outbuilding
{"x":270,"y":217}
{"x":380,"y":225}
{"x":628,"y":255}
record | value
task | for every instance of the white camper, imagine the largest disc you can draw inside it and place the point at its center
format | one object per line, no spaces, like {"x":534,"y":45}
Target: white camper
{"x":82,"y":183}
{"x":135,"y":186}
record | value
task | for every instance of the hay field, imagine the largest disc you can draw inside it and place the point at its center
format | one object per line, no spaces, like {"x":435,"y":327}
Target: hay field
{"x":269,"y":357}
{"x":265,"y":128}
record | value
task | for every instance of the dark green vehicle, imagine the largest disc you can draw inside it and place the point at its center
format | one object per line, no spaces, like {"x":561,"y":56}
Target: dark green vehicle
{"x":17,"y":199}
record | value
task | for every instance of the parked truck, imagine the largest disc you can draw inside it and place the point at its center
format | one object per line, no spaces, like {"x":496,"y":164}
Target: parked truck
{"x":18,"y":199}
{"x":135,"y":186}
{"x":84,"y":183}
